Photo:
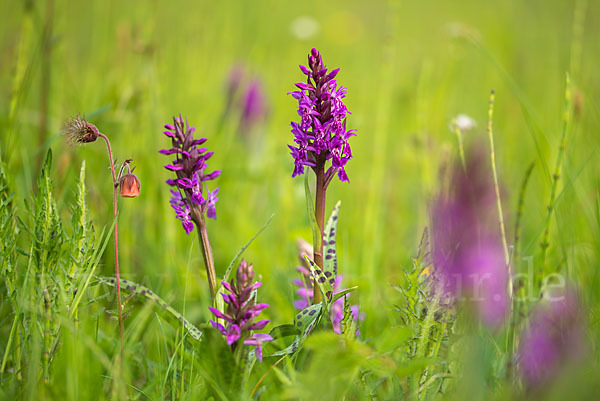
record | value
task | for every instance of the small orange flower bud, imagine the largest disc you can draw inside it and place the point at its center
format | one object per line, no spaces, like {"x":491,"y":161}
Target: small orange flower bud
{"x":129,"y":186}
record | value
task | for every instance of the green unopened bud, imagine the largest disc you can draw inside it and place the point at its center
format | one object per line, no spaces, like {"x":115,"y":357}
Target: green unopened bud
{"x":245,"y":275}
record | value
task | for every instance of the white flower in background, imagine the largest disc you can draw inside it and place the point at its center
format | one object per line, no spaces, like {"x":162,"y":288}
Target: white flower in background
{"x":304,"y":27}
{"x":463,"y":122}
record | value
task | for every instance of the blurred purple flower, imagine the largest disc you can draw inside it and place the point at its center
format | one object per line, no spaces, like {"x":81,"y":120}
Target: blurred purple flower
{"x":254,"y":106}
{"x":241,"y":311}
{"x":321,"y":134}
{"x":189,"y":167}
{"x":467,"y":252}
{"x":245,"y":98}
{"x":554,"y":338}
{"x":234,"y":82}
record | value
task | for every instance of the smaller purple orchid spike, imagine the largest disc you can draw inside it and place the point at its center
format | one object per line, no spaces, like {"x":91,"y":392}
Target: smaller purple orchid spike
{"x":554,"y":339}
{"x":191,"y":201}
{"x":241,"y":312}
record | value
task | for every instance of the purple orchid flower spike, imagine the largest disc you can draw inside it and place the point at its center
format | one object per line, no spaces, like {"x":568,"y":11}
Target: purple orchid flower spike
{"x":190,"y":198}
{"x":321,"y":137}
{"x":321,"y":134}
{"x":192,"y":201}
{"x":241,"y":312}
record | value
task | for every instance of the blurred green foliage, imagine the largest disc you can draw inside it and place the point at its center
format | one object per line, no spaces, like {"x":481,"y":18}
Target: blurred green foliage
{"x":409,"y":67}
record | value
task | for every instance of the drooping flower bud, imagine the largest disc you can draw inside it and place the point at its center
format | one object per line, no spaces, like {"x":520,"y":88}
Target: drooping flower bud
{"x":78,"y":130}
{"x":129,"y":186}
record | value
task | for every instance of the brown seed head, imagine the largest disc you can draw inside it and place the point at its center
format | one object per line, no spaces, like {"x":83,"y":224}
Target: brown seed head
{"x":78,"y":130}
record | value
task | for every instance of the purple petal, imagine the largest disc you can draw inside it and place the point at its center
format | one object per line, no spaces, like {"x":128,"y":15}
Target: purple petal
{"x":220,"y":314}
{"x":259,"y":325}
{"x":173,"y":167}
{"x":227,"y":286}
{"x":233,"y":334}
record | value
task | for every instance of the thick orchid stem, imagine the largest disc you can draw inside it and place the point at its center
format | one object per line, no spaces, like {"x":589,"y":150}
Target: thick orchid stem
{"x":207,"y":255}
{"x":320,"y":218}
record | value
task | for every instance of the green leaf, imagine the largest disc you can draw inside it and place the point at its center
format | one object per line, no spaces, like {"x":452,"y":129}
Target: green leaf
{"x":342,"y":293}
{"x":285,"y":330}
{"x":348,"y":324}
{"x":241,"y":251}
{"x":139,"y":289}
{"x":48,"y":230}
{"x":304,"y":323}
{"x":82,"y":240}
{"x":329,"y":242}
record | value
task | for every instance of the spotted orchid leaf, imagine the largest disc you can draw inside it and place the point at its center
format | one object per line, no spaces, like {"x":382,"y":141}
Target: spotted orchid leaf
{"x":324,"y":280}
{"x":139,"y":289}
{"x":329,"y":242}
{"x":304,"y":323}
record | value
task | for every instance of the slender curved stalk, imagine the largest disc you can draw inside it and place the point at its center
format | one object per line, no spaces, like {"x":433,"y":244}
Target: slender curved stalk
{"x":116,"y":236}
{"x":47,"y":340}
{"x":459,"y":139}
{"x":516,"y":308}
{"x":556,"y":176}
{"x":497,"y":189}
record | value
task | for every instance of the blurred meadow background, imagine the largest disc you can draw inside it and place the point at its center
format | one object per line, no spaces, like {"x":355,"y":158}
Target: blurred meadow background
{"x":409,"y":67}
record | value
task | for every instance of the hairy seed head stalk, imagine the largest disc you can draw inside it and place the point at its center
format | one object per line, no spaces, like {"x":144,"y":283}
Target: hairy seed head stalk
{"x":79,"y":131}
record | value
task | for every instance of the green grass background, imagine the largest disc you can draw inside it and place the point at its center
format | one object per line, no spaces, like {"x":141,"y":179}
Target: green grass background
{"x":409,"y":67}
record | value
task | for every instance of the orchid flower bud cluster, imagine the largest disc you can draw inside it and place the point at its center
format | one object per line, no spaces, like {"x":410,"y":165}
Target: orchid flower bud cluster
{"x":241,"y":312}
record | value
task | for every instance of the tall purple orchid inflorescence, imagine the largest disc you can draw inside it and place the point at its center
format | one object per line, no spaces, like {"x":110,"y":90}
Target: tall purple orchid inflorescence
{"x":191,"y":200}
{"x":466,"y":247}
{"x":241,"y":312}
{"x":321,"y":134}
{"x":321,"y":137}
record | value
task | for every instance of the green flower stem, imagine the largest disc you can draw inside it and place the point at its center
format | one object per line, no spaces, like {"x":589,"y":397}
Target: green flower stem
{"x":497,"y":189}
{"x":459,"y":139}
{"x":556,"y":176}
{"x":47,"y":339}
